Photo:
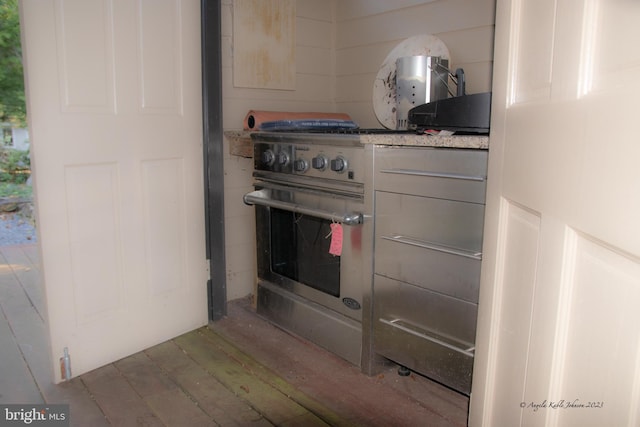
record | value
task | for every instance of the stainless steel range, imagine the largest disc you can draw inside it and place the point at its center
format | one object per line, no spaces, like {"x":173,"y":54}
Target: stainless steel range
{"x":315,"y":237}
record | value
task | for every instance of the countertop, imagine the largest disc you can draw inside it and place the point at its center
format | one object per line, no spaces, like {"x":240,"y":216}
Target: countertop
{"x":240,"y":141}
{"x":413,"y":140}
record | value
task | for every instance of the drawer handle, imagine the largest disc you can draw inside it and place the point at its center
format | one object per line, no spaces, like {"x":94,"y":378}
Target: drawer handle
{"x":399,"y":324}
{"x":433,"y":246}
{"x":416,"y":172}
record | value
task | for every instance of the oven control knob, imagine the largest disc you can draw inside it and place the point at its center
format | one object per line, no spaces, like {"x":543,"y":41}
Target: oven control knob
{"x":283,"y":158}
{"x":300,"y":165}
{"x":319,"y":162}
{"x":268,"y":158}
{"x":339,"y":164}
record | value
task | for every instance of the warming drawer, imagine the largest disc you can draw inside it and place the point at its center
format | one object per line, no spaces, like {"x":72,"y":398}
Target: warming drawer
{"x":427,"y":331}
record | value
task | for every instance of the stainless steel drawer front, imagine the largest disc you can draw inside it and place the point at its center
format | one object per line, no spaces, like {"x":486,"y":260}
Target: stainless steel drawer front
{"x":428,"y":335}
{"x":440,"y":272}
{"x":431,"y":311}
{"x":428,"y":332}
{"x":442,"y":173}
{"x":414,"y":172}
{"x":447,"y":223}
{"x":429,"y":219}
{"x":428,"y":242}
{"x":399,"y":238}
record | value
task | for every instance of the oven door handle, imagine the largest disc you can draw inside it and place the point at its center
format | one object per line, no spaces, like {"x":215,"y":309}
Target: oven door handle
{"x":260,"y":198}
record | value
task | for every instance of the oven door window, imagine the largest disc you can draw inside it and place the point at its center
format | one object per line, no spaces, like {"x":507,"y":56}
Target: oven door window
{"x":300,"y":251}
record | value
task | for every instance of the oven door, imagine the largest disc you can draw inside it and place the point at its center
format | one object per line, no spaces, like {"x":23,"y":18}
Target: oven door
{"x":294,"y":237}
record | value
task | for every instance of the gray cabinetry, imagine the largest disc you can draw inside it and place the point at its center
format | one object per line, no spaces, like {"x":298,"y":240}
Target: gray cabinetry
{"x":429,"y":213}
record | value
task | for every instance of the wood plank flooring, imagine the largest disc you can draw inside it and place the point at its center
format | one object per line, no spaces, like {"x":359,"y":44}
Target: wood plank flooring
{"x":239,"y":371}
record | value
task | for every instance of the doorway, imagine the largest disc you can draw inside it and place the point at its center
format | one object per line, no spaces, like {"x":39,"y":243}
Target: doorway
{"x":17,"y":220}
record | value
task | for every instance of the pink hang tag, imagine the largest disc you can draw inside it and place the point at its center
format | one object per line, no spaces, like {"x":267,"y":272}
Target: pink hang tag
{"x":336,"y":239}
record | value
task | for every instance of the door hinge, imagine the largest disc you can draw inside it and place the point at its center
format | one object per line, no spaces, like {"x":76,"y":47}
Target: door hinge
{"x":65,"y":365}
{"x":207,"y":269}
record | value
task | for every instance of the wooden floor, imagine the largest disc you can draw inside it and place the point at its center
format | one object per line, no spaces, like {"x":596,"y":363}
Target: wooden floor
{"x":240,"y":371}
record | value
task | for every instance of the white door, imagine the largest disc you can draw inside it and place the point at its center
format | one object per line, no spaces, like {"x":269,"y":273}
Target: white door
{"x":559,"y":321}
{"x":114,"y":106}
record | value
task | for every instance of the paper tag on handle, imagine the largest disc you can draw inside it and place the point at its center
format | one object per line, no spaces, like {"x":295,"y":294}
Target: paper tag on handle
{"x":336,"y":239}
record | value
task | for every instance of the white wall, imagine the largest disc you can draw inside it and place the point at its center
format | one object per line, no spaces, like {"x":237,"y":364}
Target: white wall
{"x":315,"y":91}
{"x":315,"y":61}
{"x":367,"y":30}
{"x":340,"y":45}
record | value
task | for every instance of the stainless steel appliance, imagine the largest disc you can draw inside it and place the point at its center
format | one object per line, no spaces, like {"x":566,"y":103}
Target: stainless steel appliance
{"x":419,"y":308}
{"x":309,"y":189}
{"x":419,"y":79}
{"x":429,"y":214}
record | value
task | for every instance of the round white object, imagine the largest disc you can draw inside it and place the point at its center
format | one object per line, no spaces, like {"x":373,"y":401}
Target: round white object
{"x":384,"y":86}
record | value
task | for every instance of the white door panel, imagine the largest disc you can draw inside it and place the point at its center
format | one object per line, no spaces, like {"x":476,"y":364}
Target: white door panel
{"x":557,"y":327}
{"x":114,"y":101}
{"x":599,"y":346}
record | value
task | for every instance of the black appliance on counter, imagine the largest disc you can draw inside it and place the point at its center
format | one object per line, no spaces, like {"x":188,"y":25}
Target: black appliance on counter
{"x":461,"y":114}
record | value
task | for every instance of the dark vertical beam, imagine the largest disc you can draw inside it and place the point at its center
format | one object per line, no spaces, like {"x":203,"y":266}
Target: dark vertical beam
{"x":213,"y":156}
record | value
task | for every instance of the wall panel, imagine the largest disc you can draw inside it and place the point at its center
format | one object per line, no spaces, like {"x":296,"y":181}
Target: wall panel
{"x":340,"y":45}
